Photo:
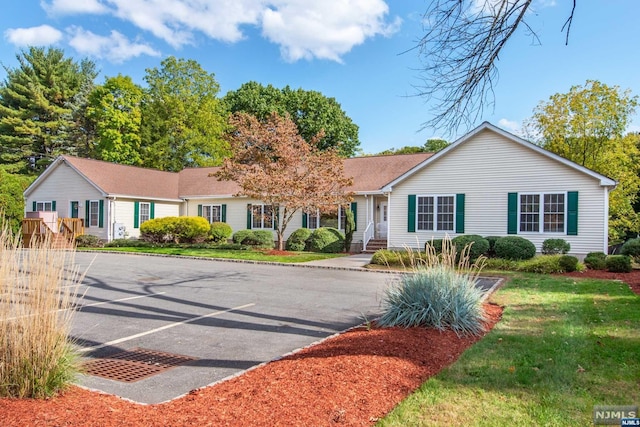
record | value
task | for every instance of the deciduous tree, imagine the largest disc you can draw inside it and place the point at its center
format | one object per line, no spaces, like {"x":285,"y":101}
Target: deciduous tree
{"x":271,"y":162}
{"x":587,"y":125}
{"x":311,"y":111}
{"x":115,"y":109}
{"x":183,"y":121}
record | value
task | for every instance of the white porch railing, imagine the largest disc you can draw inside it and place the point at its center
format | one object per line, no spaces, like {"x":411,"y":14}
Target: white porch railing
{"x":368,"y":235}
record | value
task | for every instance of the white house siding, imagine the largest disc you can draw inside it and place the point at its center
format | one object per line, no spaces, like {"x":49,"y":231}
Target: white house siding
{"x":124,"y":212}
{"x":237,"y":214}
{"x":64,"y":185}
{"x":488,"y":167}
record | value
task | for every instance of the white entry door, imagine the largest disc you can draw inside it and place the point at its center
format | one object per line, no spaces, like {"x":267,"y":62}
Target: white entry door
{"x":382,"y":220}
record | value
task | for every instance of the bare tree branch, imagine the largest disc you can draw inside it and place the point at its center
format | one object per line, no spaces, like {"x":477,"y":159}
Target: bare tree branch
{"x":568,"y":22}
{"x":461,"y":49}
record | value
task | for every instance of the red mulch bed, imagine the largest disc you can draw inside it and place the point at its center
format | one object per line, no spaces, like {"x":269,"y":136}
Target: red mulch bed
{"x":352,"y":379}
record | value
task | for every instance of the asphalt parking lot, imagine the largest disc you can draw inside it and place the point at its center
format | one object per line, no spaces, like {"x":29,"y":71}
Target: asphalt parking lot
{"x":225,"y":317}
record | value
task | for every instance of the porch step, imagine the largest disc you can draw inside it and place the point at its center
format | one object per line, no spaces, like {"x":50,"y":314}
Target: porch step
{"x":375,"y":245}
{"x":60,"y":242}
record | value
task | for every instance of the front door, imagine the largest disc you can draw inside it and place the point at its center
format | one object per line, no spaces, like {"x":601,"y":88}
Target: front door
{"x":74,"y":209}
{"x":382,"y":220}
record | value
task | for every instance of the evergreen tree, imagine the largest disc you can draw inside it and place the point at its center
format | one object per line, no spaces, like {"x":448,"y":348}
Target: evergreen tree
{"x":36,"y":108}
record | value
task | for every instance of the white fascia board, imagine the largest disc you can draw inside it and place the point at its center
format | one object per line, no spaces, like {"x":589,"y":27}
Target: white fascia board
{"x":155,"y":199}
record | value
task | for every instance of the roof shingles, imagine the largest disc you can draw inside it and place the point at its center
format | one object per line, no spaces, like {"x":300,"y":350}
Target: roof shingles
{"x":369,"y":174}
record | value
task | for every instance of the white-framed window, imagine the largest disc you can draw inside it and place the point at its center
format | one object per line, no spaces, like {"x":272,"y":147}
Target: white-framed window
{"x":262,"y":216}
{"x":145,"y":212}
{"x":435,"y":212}
{"x":94,"y":213}
{"x":212,"y":213}
{"x":334,"y":219}
{"x":44,"y":206}
{"x":542,"y":212}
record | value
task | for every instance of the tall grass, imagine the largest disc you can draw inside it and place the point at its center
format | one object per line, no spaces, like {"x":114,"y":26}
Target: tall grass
{"x":38,"y":289}
{"x":440,"y":292}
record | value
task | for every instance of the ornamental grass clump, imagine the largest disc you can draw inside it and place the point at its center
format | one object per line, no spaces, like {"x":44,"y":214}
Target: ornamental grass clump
{"x":441,"y":293}
{"x":37,"y":297}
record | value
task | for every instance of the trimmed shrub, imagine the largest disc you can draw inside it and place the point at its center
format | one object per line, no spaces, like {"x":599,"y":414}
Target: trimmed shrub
{"x":479,"y":245}
{"x":326,"y":240}
{"x":184,"y":229}
{"x":436,"y":244}
{"x":190,"y":229}
{"x":349,"y":229}
{"x":618,"y":263}
{"x":555,"y":246}
{"x":157,"y":230}
{"x":631,"y":248}
{"x":386,"y":257}
{"x":435,"y":297}
{"x":596,"y":260}
{"x":568,"y":263}
{"x":239,"y":236}
{"x":259,"y":239}
{"x":492,"y":245}
{"x":219,"y":232}
{"x":88,"y":241}
{"x":128,"y":243}
{"x":403,"y":258}
{"x":514,"y":248}
{"x":501,"y":264}
{"x":543,"y":264}
{"x":297,"y":241}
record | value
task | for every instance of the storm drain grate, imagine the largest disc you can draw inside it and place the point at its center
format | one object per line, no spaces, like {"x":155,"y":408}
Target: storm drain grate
{"x":133,"y":365}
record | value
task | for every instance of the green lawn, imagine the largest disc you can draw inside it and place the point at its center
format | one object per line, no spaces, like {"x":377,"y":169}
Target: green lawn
{"x":249,"y":254}
{"x":563,"y":346}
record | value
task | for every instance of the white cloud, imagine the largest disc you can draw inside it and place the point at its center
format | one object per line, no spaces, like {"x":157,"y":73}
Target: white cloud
{"x":116,"y":47}
{"x":175,"y":21}
{"x":327,"y":29}
{"x":71,"y":7}
{"x":34,"y":36}
{"x":510,"y":126}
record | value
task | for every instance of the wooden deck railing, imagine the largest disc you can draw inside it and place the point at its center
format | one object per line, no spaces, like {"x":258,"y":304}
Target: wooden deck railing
{"x":71,"y":227}
{"x":35,"y":229}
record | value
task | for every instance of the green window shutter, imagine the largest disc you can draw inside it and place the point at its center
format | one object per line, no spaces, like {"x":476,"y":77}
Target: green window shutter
{"x":276,"y":214}
{"x":460,"y":213}
{"x":86,"y":213}
{"x":35,"y":206}
{"x":199,"y":210}
{"x":249,"y":216}
{"x":411,"y":214}
{"x":305,"y":217}
{"x":572,"y":213}
{"x":136,"y":214}
{"x":152,"y":210}
{"x":354,"y":209}
{"x":101,"y":214}
{"x":512,"y":213}
{"x":53,"y":205}
{"x":223,"y":214}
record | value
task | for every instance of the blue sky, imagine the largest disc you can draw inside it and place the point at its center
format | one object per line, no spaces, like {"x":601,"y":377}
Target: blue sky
{"x":347,"y":49}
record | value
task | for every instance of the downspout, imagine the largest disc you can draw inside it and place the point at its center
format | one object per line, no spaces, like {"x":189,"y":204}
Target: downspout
{"x":388,"y":218}
{"x":606,"y":220}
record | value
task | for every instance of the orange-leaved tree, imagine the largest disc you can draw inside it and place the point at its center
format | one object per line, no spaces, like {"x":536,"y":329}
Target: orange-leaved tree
{"x":272,"y":163}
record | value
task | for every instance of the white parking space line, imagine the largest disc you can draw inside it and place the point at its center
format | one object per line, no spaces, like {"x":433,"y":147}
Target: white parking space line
{"x":162,"y":328}
{"x":80,"y":307}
